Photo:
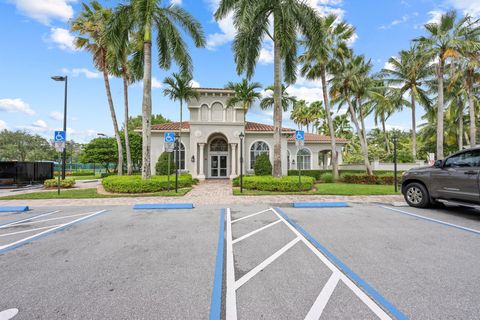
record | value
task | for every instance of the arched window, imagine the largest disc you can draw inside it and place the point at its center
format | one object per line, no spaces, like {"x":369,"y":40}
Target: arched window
{"x":217,"y":112}
{"x":304,"y":159}
{"x":258,"y":148}
{"x":181,"y":164}
{"x":204,"y":111}
{"x":288,"y":160}
{"x":219,"y":145}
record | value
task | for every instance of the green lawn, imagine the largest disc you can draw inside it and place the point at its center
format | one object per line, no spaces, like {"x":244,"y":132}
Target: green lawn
{"x":88,"y":177}
{"x":340,"y":189}
{"x":88,"y":193}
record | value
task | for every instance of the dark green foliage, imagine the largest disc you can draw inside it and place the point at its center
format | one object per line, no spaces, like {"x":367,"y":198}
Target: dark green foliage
{"x":366,"y":179}
{"x":326,"y":177}
{"x":161,"y":168}
{"x":100,"y":150}
{"x":308,"y":173}
{"x":136,"y":122}
{"x":23,"y":146}
{"x":53,"y":183}
{"x":135,"y":184}
{"x":269,"y":183}
{"x":318,"y":174}
{"x":263,"y":166}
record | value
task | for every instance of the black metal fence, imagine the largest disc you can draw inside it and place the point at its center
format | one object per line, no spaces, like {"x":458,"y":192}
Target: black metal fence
{"x":21,"y":173}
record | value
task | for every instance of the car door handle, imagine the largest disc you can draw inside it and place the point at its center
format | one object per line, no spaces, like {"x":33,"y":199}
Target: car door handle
{"x":471,"y":172}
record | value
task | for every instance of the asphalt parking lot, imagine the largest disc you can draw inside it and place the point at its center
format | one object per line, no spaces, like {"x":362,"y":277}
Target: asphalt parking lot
{"x":265,"y":261}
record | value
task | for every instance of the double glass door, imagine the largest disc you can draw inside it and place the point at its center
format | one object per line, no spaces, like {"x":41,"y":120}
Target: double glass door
{"x":218,"y":166}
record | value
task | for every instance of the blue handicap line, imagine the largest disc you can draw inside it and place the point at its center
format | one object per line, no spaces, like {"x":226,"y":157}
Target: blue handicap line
{"x":216,"y":303}
{"x":319,"y":204}
{"x":164,"y":206}
{"x":346,"y":270}
{"x":14,"y":208}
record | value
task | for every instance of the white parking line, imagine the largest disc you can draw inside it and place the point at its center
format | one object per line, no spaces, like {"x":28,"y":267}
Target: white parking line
{"x":251,"y":215}
{"x":29,"y":230}
{"x":49,"y":230}
{"x":51,"y":219}
{"x":231,"y":299}
{"x":28,"y":219}
{"x":256,"y":231}
{"x":322,"y":299}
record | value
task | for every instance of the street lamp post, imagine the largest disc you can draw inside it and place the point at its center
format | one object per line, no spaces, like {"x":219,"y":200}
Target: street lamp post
{"x":64,"y":156}
{"x":395,"y":181}
{"x":241,"y":136}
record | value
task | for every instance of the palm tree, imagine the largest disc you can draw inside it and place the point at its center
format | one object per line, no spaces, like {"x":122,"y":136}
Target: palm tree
{"x":316,"y":114}
{"x":319,"y":52}
{"x":252,"y":20}
{"x":179,"y":87}
{"x":300,"y":114}
{"x":347,"y":71}
{"x":91,"y":28}
{"x":443,"y":42}
{"x":409,"y":71}
{"x":150,"y":17}
{"x":245,"y":94}
{"x":269,"y":101}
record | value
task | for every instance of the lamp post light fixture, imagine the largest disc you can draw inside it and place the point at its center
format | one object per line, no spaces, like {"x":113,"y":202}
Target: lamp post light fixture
{"x":241,"y":136}
{"x":64,"y":156}
{"x":395,"y":181}
{"x":102,"y":135}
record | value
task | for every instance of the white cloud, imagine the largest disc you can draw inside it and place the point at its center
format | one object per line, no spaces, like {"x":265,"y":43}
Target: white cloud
{"x":308,"y":94}
{"x":266,"y":55}
{"x":226,"y":35}
{"x":195,"y":84}
{"x":13,"y":105}
{"x":62,"y":38}
{"x":472,"y":7}
{"x":40,"y":124}
{"x":435,"y":16}
{"x":156,"y":84}
{"x":75,"y":72}
{"x":176,"y":2}
{"x":55,"y":115}
{"x":388,"y":65}
{"x":3,"y":125}
{"x":45,"y":10}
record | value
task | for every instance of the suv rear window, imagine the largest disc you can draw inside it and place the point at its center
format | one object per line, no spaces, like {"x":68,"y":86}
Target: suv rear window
{"x":465,"y":159}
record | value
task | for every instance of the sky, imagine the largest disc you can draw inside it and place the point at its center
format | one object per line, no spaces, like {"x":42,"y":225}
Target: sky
{"x":36,"y":44}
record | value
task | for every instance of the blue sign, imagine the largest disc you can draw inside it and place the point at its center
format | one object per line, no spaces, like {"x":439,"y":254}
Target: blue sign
{"x":169,"y":137}
{"x":299,"y":135}
{"x":60,"y":136}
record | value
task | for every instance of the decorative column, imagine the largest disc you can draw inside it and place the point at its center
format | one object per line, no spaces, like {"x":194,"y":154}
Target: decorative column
{"x":201,"y":173}
{"x":233,"y":171}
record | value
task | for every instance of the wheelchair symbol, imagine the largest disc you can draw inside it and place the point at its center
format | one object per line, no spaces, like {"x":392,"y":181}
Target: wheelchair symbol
{"x":169,"y":137}
{"x":59,"y":136}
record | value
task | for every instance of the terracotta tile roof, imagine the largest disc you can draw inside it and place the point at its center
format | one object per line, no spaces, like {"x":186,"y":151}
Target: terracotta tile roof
{"x":261,"y":127}
{"x":172,"y":126}
{"x":313,"y":137}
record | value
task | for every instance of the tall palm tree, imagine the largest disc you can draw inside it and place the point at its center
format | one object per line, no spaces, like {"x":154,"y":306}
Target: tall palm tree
{"x":91,"y":26}
{"x":269,"y":101}
{"x":443,"y":42}
{"x":300,"y":114}
{"x":150,"y":17}
{"x":333,"y":37}
{"x":252,"y":20}
{"x":316,"y":114}
{"x":347,"y":71}
{"x":409,"y":71}
{"x":179,"y":87}
{"x":245,"y":94}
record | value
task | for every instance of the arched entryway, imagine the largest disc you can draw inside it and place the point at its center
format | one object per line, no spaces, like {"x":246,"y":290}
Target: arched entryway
{"x":218,"y":157}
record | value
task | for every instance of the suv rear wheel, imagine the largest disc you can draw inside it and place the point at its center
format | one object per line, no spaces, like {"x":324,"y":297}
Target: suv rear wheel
{"x":416,"y":195}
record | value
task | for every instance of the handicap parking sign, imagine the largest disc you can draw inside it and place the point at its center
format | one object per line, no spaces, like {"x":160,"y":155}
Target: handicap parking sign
{"x":169,"y":137}
{"x":299,"y":135}
{"x":60,"y":136}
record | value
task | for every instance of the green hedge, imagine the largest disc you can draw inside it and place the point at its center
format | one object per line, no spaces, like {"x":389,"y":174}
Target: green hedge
{"x":79,"y":173}
{"x":263,"y":166}
{"x":269,"y":183}
{"x":53,"y":183}
{"x":366,"y":179}
{"x":308,"y":173}
{"x":161,"y":168}
{"x":317,"y":174}
{"x":135,"y":184}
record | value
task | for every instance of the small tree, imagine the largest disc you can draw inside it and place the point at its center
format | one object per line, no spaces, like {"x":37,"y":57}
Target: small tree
{"x":263,"y":166}
{"x":100,"y":150}
{"x":161,"y":168}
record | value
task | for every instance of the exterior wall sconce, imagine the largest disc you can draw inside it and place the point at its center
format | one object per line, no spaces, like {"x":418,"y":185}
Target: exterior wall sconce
{"x":293,"y":161}
{"x":192,"y":159}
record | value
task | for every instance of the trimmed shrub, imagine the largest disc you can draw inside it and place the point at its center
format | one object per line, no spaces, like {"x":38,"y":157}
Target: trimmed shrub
{"x":135,"y":184}
{"x":161,"y":168}
{"x":53,"y":183}
{"x":269,"y":183}
{"x":79,"y":173}
{"x":366,"y":179}
{"x":308,"y":173}
{"x":263,"y":166}
{"x":326,"y":177}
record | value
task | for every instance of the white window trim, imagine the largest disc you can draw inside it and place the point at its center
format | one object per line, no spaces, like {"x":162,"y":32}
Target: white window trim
{"x":250,"y":152}
{"x":311,"y":158}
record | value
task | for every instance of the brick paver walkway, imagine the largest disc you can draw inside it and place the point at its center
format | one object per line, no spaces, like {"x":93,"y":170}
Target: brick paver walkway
{"x":207,"y":192}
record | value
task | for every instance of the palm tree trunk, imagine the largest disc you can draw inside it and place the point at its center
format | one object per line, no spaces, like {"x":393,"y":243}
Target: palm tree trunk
{"x":125,"y":124}
{"x":471,"y":106}
{"x":326,"y":101}
{"x":385,"y":136}
{"x":460,"y":124}
{"x":147,"y":108}
{"x":115,"y":123}
{"x":440,"y":108}
{"x":180,"y":135}
{"x":414,"y":129}
{"x":277,"y":110}
{"x":353,"y":116}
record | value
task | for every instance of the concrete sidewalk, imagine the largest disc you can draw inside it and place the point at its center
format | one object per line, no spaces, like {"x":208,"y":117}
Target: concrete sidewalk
{"x":206,"y":193}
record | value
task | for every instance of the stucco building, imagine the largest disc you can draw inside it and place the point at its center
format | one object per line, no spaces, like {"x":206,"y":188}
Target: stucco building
{"x":210,"y":142}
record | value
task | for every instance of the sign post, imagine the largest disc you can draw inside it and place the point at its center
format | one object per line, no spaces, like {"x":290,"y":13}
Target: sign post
{"x":177,"y":161}
{"x":59,"y":139}
{"x":169,"y":143}
{"x":299,"y":142}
